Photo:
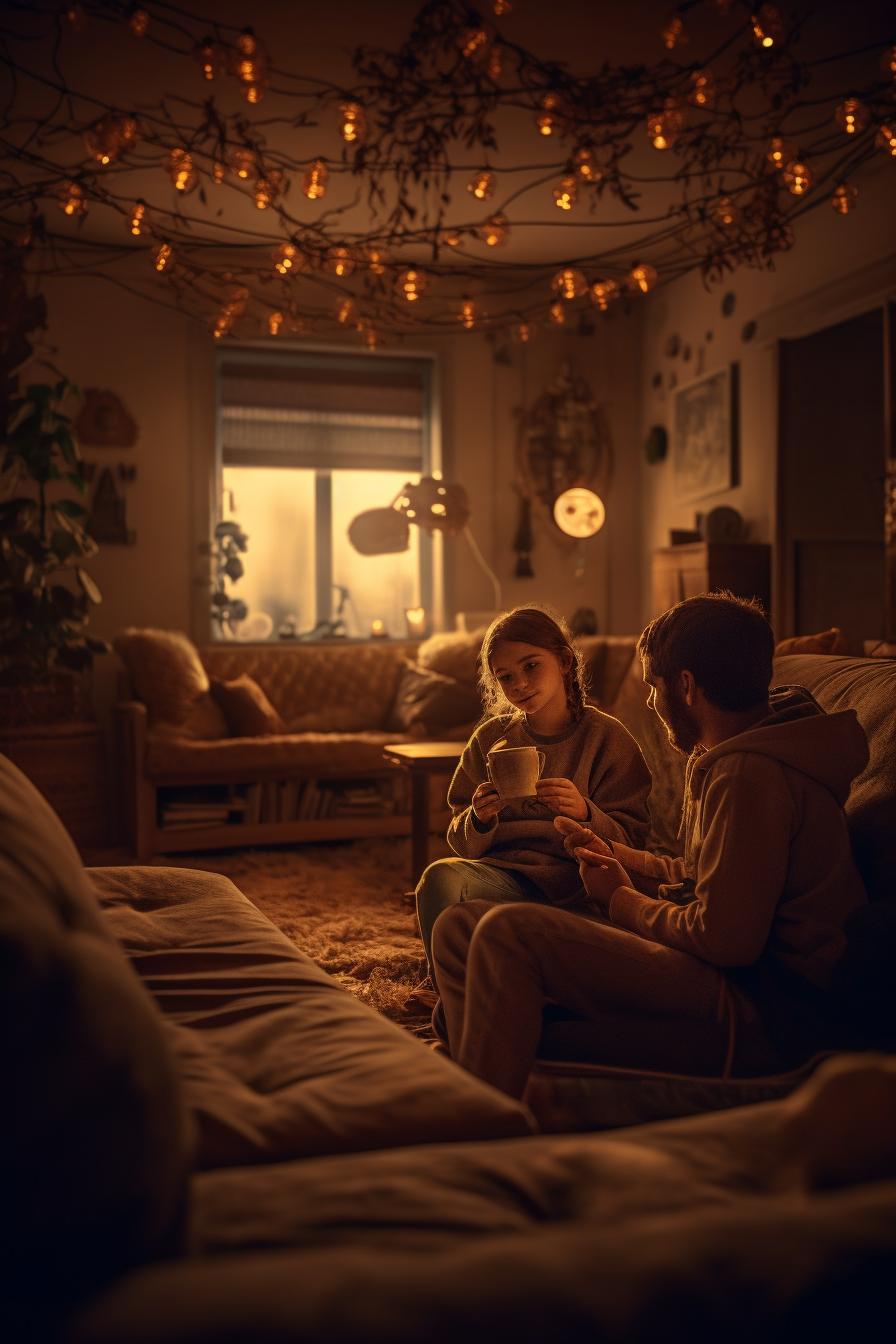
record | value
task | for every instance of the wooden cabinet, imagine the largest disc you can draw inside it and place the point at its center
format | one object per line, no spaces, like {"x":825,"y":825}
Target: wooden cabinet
{"x":744,"y":568}
{"x":66,"y":762}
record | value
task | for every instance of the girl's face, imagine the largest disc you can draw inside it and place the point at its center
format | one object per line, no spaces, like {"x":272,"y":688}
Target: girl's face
{"x":532,"y":679}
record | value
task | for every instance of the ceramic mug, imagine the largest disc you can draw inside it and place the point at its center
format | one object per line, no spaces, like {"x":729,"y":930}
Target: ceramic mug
{"x":514,"y":771}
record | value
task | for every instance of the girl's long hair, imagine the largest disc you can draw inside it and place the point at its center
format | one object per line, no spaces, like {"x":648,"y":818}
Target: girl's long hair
{"x":543,"y":628}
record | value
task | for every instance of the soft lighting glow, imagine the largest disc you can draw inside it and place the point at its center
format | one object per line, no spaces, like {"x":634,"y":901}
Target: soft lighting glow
{"x":352,"y":123}
{"x":703,"y":89}
{"x":473,"y":43}
{"x":163,"y":257}
{"x":888,"y":62}
{"x":566,"y":193}
{"x":411,"y":284}
{"x":603,"y":292}
{"x":495,"y":231}
{"x":137,"y":217}
{"x":71,"y":200}
{"x":798,"y":178}
{"x":467,"y":314}
{"x":284,"y":257}
{"x":74,"y":17}
{"x":111,"y":136}
{"x":780,"y":151}
{"x":550,"y":120}
{"x":377,"y":630}
{"x":579,"y":512}
{"x":211,"y":58}
{"x":672,"y":33}
{"x":569,"y":283}
{"x":557,"y":314}
{"x":138,"y":22}
{"x":368,"y":333}
{"x":643,"y":277}
{"x":275,"y":322}
{"x":450,"y":237}
{"x":180,"y":169}
{"x":844,"y":198}
{"x":886,"y":138}
{"x":339,"y":261}
{"x":502,"y":7}
{"x":346,"y":311}
{"x":268,"y":188}
{"x":482,"y":185}
{"x":314,"y":182}
{"x":726,"y":214}
{"x":221,"y":323}
{"x":374,"y":258}
{"x":586,"y":165}
{"x":768,"y":30}
{"x":852,"y":116}
{"x":663,"y":127}
{"x":522,"y":333}
{"x":416,"y":619}
{"x":219,"y":172}
{"x":242,"y":162}
{"x":249,"y":63}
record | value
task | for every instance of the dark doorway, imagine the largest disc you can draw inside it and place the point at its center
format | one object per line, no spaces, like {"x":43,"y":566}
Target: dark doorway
{"x":831,"y":477}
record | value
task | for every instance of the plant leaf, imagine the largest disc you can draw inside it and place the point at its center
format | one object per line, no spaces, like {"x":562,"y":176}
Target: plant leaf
{"x":69,"y":507}
{"x":88,"y":587}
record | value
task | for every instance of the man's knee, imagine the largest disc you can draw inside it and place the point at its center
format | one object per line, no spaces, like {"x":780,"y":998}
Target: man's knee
{"x":454,"y":928}
{"x":515,"y":927}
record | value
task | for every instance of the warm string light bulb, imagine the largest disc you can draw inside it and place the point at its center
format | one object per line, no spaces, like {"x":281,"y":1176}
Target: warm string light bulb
{"x":768,"y":30}
{"x":482,"y":185}
{"x":566,"y":193}
{"x":275,"y":322}
{"x":780,"y":151}
{"x":249,"y":63}
{"x":844,"y":198}
{"x":663,"y":127}
{"x":224,"y":319}
{"x":352,"y":123}
{"x":411,"y":284}
{"x":550,"y":119}
{"x":672,"y":33}
{"x":569,"y":283}
{"x":888,"y":62}
{"x":886,"y":138}
{"x":522,"y":333}
{"x":72,"y":201}
{"x":703,"y":89}
{"x":211,"y":58}
{"x":243,"y":164}
{"x":284,"y":258}
{"x":502,"y":7}
{"x":852,"y":116}
{"x":643,"y":277}
{"x":726,"y":214}
{"x":798,"y":178}
{"x":369,"y":336}
{"x":138,"y":22}
{"x":603,"y":292}
{"x":219,"y":172}
{"x":137,"y":218}
{"x":314,"y":181}
{"x":346,"y":312}
{"x":586,"y":165}
{"x":495,"y":231}
{"x":111,"y":136}
{"x":339,"y":261}
{"x":180,"y":169}
{"x":374,"y":260}
{"x":163,"y":257}
{"x":557,"y":314}
{"x":268,"y":188}
{"x":450,"y":237}
{"x":467,"y":314}
{"x":73,"y":16}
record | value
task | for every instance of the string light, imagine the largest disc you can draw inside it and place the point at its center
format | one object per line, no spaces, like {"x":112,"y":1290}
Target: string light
{"x":339,"y":261}
{"x":550,"y":120}
{"x":495,"y":231}
{"x":374,"y":259}
{"x":346,"y":311}
{"x":180,"y":169}
{"x":314,"y":182}
{"x":886,"y":138}
{"x":522,"y":333}
{"x":242,"y":162}
{"x":603,"y":292}
{"x":249,"y":63}
{"x":163,"y":257}
{"x":672,"y":33}
{"x":852,"y":116}
{"x":643,"y":277}
{"x":494,"y":62}
{"x":569,"y":283}
{"x":726,"y":214}
{"x":352,"y":123}
{"x":703,"y":89}
{"x":72,"y":201}
{"x":275,"y":322}
{"x":369,"y":335}
{"x":223,"y":320}
{"x":566,"y":193}
{"x":844,"y":198}
{"x":557,"y":314}
{"x":468,"y":313}
{"x":411,"y":284}
{"x":798,"y":178}
{"x":73,"y":16}
{"x":450,"y":237}
{"x":136,"y":218}
{"x":780,"y":152}
{"x":111,"y":136}
{"x":268,"y":188}
{"x":474,"y":43}
{"x":767,"y":26}
{"x":586,"y":165}
{"x":888,"y":62}
{"x":284,"y":257}
{"x":663,"y":128}
{"x":502,"y":7}
{"x":219,"y":172}
{"x":211,"y":58}
{"x":138,"y":22}
{"x":482,"y":185}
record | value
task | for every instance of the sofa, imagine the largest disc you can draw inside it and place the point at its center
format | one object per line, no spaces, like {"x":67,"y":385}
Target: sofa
{"x":206,"y":1139}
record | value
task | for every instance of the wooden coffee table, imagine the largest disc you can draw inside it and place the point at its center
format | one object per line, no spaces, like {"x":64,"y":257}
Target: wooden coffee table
{"x":420,"y":760}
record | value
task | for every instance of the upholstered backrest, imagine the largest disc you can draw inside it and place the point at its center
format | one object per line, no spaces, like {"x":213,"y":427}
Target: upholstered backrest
{"x":94,"y":1139}
{"x":867,"y":685}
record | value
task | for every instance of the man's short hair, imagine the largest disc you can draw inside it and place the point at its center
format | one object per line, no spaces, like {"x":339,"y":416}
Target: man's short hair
{"x":724,"y":641}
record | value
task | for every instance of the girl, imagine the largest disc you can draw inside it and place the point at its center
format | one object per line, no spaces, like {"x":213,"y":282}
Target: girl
{"x":533,"y":687}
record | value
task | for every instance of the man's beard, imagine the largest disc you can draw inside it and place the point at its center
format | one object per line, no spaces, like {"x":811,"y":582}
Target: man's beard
{"x":681,"y":725}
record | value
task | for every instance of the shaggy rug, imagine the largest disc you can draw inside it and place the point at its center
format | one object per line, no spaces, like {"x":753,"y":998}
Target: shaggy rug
{"x":345,"y":905}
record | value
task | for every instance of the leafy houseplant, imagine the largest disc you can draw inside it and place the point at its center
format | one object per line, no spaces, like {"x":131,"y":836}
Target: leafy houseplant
{"x":229,"y":544}
{"x":45,"y":594}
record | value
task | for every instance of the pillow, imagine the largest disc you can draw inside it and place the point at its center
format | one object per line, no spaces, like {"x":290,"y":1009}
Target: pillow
{"x":831,"y":641}
{"x":426,"y":699}
{"x":167,"y":675}
{"x":453,"y":654}
{"x":95,"y":1147}
{"x":248,"y":711}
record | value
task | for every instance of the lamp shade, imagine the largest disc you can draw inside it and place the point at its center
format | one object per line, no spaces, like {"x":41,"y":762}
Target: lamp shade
{"x":579,"y":512}
{"x":435,"y":506}
{"x":379,"y":532}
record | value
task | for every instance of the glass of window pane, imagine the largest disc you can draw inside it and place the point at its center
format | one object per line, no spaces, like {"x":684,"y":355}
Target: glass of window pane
{"x":380,"y":587}
{"x":275,"y":508}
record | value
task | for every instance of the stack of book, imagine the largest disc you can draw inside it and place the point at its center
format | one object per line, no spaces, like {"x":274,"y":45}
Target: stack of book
{"x":191,"y":815}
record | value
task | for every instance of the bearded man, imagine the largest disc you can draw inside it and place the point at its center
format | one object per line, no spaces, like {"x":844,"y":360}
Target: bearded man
{"x":715,"y":962}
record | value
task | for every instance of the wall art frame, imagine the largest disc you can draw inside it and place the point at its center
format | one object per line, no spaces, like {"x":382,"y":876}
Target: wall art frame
{"x":706,"y":435}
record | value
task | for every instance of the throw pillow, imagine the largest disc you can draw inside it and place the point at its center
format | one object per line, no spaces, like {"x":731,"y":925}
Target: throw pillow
{"x":248,"y":711}
{"x":166,"y":673}
{"x":95,"y":1146}
{"x":453,"y":654}
{"x":831,"y":641}
{"x":433,"y":701}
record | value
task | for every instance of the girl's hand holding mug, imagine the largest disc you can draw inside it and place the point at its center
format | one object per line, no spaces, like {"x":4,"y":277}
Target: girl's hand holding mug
{"x":487,"y":802}
{"x":562,"y":796}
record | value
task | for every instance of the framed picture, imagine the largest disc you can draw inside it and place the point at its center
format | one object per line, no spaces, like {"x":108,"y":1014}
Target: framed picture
{"x":704,"y":435}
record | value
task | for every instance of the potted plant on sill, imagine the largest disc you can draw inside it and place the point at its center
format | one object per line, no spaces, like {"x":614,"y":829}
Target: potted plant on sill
{"x":45,"y":593}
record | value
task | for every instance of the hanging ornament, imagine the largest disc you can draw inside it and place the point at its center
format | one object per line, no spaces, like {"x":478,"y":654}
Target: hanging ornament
{"x":211,"y":58}
{"x":768,"y":30}
{"x":411,"y":284}
{"x":844,"y":198}
{"x":643,"y":277}
{"x":672,"y":33}
{"x":314,"y":182}
{"x":569,"y":283}
{"x":603,"y":292}
{"x":852,"y":116}
{"x":468,"y":313}
{"x":268,"y":188}
{"x":275,"y":322}
{"x":703,"y":89}
{"x":726,"y":214}
{"x":180,"y":169}
{"x":352,"y":123}
{"x":244,"y":164}
{"x":346,"y":311}
{"x":163,"y":257}
{"x":586,"y":165}
{"x":137,"y":218}
{"x":495,"y":231}
{"x":285,"y":257}
{"x":71,"y":199}
{"x":550,"y":120}
{"x":339,"y":261}
{"x":249,"y":63}
{"x":482,"y":185}
{"x":557,"y":314}
{"x":780,"y":151}
{"x":798,"y":178}
{"x":138,"y":22}
{"x":566,"y":193}
{"x":663,"y":128}
{"x":111,"y":136}
{"x":886,"y":138}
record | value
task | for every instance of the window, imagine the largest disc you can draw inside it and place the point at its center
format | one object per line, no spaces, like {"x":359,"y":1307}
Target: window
{"x":307,"y":441}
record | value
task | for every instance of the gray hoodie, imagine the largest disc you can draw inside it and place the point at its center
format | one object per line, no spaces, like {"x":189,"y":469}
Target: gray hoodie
{"x":767,"y":859}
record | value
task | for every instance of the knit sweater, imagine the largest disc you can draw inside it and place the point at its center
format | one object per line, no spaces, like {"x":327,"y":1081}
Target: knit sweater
{"x":601,"y":759}
{"x":767,"y":864}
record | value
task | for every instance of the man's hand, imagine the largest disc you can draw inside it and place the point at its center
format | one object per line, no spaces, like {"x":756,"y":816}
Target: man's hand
{"x":600,"y":875}
{"x":487,"y":802}
{"x":580,"y":837}
{"x":562,"y":796}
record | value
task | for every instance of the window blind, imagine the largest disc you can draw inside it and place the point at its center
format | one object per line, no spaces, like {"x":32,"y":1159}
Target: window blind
{"x":323,"y":413}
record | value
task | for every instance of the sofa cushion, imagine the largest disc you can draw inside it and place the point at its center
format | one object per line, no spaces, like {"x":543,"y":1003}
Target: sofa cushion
{"x":453,"y":654}
{"x":246,"y":709}
{"x":277,"y":1059}
{"x":94,"y":1141}
{"x":831,"y":641}
{"x":233,"y":760}
{"x":427,"y":703}
{"x":167,"y":675}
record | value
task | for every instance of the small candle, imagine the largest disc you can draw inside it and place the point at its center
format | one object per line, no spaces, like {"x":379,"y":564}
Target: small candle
{"x":416,"y":619}
{"x":377,"y":630}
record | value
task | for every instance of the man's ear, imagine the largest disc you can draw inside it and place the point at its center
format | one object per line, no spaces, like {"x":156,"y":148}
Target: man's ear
{"x":688,"y":689}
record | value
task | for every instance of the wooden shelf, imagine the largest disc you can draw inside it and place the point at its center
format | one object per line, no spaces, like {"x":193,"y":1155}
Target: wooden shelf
{"x":240,"y":835}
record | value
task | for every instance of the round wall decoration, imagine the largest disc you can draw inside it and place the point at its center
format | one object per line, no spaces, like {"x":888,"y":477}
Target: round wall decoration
{"x":103,"y":421}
